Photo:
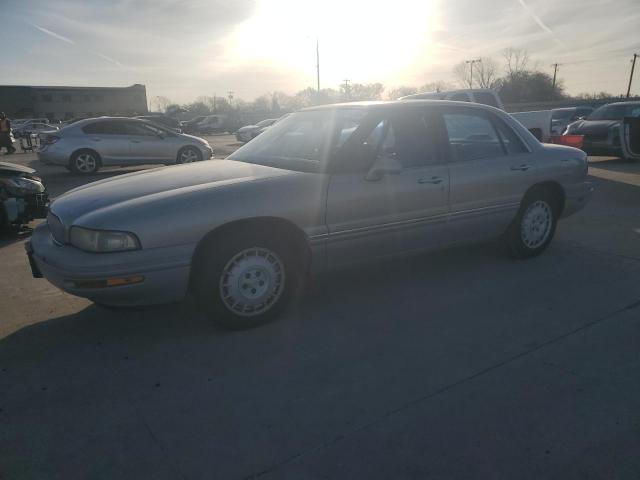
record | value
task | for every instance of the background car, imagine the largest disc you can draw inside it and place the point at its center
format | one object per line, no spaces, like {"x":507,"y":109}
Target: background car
{"x":601,"y":129}
{"x":249,"y":132}
{"x":164,"y":121}
{"x":34,"y":127}
{"x":242,"y":233}
{"x":190,"y":126}
{"x":87,"y":145}
{"x":562,"y":117}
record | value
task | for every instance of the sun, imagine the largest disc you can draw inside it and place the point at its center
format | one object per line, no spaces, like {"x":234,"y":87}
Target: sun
{"x":365,"y":41}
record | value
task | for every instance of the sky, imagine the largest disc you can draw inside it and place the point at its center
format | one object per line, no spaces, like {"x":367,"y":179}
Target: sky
{"x":182,"y":49}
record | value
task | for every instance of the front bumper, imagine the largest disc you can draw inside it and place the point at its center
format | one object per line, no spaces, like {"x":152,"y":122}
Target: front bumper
{"x":165,"y":271}
{"x":243,"y":136}
{"x":51,"y":156}
{"x":576,"y":197}
{"x":207,"y":152}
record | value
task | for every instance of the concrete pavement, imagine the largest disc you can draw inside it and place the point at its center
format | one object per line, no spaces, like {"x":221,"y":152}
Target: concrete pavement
{"x":460,"y":364}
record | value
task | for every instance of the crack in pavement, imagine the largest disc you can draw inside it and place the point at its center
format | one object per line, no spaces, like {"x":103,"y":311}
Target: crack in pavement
{"x":439,"y":391}
{"x":154,"y":438}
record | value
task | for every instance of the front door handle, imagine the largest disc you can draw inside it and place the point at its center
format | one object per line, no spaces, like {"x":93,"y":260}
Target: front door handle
{"x":524,"y":167}
{"x":135,"y":141}
{"x":433,"y":180}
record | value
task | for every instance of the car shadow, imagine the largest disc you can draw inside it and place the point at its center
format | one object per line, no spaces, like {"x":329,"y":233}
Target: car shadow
{"x":614,"y":164}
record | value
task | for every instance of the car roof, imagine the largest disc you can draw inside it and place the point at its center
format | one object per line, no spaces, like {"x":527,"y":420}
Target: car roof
{"x":622,"y":103}
{"x":399,"y":104}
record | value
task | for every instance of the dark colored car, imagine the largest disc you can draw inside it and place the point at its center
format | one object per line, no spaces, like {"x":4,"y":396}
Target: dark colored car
{"x":163,"y":121}
{"x":562,"y":117}
{"x":191,"y":126}
{"x":601,"y":129}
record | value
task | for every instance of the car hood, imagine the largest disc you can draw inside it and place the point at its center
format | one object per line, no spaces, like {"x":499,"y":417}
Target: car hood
{"x":584,"y":127}
{"x":156,"y":185}
{"x":14,"y":168}
{"x":247,"y":128}
{"x":194,"y":138}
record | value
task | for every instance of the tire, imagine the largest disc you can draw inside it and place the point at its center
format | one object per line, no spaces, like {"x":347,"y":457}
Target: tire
{"x":188,"y":155}
{"x":534,"y":226}
{"x":84,"y":162}
{"x":245,"y":279}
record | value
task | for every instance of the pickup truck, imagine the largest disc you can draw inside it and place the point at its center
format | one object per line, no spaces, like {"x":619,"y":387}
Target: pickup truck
{"x":537,"y":122}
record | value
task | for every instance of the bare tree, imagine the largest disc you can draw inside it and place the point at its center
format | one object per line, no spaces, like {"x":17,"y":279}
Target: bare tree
{"x":160,"y":103}
{"x":462,"y":72}
{"x":437,"y":86}
{"x":485,"y":73}
{"x":516,"y":60}
{"x":402,"y":91}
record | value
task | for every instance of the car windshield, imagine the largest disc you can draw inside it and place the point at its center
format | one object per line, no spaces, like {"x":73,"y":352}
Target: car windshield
{"x":301,"y":141}
{"x":562,"y":113}
{"x":614,"y":112}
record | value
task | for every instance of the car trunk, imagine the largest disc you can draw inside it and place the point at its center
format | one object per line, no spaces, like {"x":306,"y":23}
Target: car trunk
{"x":631,"y":138}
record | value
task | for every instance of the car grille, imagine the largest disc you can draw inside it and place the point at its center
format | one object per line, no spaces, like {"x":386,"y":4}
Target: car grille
{"x":57,"y":228}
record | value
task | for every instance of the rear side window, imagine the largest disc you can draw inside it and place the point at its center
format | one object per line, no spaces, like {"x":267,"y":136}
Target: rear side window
{"x":486,"y":98}
{"x":104,"y":128}
{"x":509,"y":138}
{"x":472,"y":136}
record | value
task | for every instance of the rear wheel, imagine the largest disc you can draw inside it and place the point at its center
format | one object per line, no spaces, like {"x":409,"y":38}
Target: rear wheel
{"x":189,"y":155}
{"x":535,"y":224}
{"x":84,"y":162}
{"x":245,"y":280}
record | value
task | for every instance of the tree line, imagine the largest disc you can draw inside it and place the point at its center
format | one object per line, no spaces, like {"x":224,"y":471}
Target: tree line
{"x":514,"y":75}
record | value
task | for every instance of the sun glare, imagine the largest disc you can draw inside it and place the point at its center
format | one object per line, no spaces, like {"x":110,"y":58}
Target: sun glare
{"x":365,"y":41}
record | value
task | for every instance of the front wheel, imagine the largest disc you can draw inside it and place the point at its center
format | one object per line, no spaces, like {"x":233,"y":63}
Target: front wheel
{"x":189,"y":155}
{"x":533,"y":228}
{"x":245,"y":281}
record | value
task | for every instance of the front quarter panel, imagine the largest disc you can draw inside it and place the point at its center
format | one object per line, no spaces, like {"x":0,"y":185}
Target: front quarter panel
{"x":185,"y":218}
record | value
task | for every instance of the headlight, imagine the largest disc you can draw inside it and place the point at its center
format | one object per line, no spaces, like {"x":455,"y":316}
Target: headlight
{"x":21,"y":186}
{"x":101,"y":241}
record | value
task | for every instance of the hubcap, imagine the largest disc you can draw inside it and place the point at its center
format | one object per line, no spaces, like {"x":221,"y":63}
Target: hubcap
{"x":536,"y":224}
{"x":252,"y":281}
{"x":188,"y":156}
{"x":85,"y":162}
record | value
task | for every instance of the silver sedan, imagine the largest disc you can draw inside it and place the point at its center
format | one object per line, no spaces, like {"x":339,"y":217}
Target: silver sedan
{"x":85,"y":146}
{"x":325,"y":187}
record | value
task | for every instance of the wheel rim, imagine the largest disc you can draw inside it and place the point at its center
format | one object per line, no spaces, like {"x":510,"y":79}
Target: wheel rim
{"x":188,"y":155}
{"x":536,"y":224}
{"x":85,"y":162}
{"x":252,"y":281}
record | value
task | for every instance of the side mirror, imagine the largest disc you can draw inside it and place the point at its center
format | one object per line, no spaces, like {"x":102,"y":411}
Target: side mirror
{"x":386,"y":165}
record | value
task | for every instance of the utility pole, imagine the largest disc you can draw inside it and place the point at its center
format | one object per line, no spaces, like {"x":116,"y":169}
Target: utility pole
{"x":633,"y":66}
{"x":471,"y":62}
{"x":214,"y":104}
{"x":555,"y":71}
{"x":346,"y":88}
{"x":318,"y":63}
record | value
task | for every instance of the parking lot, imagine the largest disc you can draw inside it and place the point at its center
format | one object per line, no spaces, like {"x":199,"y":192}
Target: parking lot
{"x":460,"y":364}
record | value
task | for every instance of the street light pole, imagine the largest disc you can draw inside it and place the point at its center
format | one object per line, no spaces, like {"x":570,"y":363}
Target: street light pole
{"x":633,"y":66}
{"x":318,"y":63}
{"x":471,"y":62}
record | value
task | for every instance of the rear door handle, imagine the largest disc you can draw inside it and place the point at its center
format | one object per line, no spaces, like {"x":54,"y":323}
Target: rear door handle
{"x":433,"y":180}
{"x":523,"y":167}
{"x":95,"y":139}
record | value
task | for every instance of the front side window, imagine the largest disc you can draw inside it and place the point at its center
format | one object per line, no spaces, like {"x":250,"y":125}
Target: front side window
{"x":409,"y":137}
{"x":471,"y":136}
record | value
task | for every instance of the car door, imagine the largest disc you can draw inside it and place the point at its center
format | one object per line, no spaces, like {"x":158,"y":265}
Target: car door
{"x":398,"y":212}
{"x":490,"y":169}
{"x":149,"y":144}
{"x":109,"y":139}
